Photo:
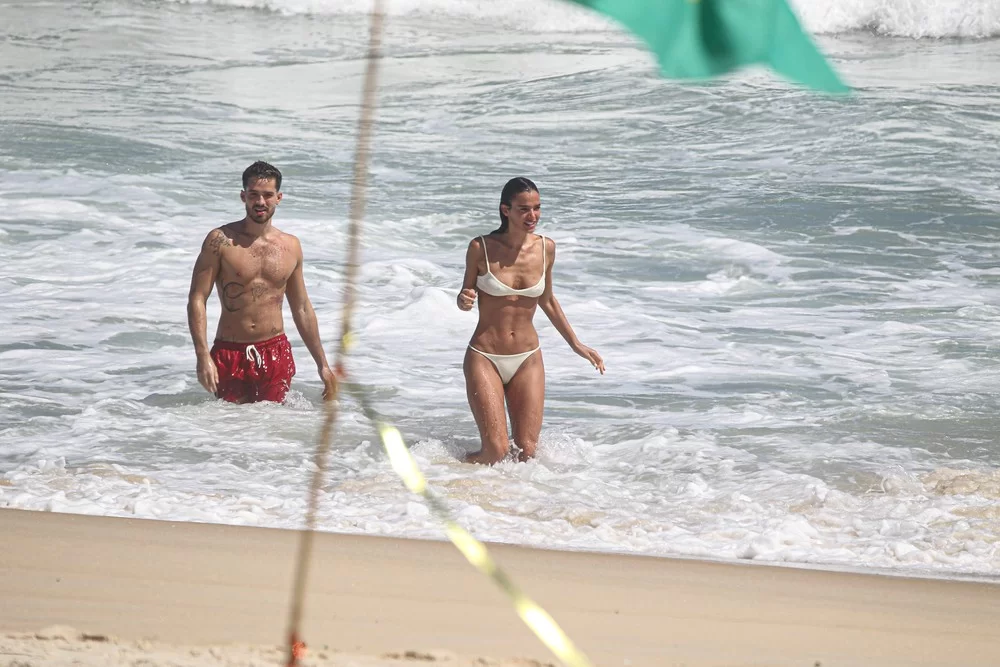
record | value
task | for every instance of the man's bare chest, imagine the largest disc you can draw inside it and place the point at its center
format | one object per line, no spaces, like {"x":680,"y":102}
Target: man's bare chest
{"x":270,"y":262}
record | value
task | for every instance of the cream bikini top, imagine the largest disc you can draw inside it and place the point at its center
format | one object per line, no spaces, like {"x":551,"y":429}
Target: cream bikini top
{"x":491,"y":285}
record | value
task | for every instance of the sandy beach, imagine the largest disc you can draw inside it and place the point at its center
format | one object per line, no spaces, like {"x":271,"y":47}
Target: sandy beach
{"x":92,"y":590}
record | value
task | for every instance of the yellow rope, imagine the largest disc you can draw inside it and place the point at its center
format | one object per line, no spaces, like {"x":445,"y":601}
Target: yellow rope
{"x":536,"y":618}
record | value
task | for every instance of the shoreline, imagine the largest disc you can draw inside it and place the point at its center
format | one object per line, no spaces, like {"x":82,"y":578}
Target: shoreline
{"x":843,"y":568}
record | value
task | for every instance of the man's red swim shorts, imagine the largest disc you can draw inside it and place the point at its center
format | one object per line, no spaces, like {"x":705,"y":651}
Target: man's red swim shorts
{"x":251,"y":372}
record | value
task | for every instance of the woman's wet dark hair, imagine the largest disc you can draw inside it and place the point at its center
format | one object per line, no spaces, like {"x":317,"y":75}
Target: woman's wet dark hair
{"x":514,"y":187}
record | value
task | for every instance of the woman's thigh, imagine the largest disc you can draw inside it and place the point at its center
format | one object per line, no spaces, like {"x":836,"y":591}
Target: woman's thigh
{"x":526,"y":403}
{"x":485,"y":392}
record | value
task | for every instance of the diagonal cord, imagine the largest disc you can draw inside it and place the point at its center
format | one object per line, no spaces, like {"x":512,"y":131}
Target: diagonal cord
{"x":359,"y":185}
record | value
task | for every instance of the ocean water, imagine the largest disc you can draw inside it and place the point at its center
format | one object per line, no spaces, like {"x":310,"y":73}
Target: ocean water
{"x":797,"y":296}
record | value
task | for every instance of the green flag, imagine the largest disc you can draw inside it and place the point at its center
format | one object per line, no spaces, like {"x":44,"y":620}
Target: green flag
{"x":697,"y":39}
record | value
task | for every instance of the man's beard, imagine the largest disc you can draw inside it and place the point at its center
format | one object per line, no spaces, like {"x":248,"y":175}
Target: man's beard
{"x":260,"y":217}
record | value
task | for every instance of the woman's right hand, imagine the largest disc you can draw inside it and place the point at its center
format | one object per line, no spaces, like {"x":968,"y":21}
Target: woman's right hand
{"x":590,"y":354}
{"x":466,"y":298}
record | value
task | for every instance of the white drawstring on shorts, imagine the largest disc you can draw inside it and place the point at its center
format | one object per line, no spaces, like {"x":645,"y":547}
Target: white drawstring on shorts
{"x":258,"y":360}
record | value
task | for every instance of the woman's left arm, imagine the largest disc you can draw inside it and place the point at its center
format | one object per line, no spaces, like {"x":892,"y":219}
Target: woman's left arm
{"x":550,"y":306}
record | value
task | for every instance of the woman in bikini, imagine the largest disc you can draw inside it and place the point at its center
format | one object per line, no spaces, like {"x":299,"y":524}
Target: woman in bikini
{"x":511,"y":271}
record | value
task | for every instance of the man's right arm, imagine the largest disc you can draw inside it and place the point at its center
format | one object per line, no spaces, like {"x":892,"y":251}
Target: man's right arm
{"x":206,"y":271}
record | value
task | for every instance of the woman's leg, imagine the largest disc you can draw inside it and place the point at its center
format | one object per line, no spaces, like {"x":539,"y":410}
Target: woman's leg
{"x":485,"y":392}
{"x":526,"y":403}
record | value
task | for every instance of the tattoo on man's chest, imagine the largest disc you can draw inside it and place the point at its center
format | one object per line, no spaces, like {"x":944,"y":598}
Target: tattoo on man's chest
{"x":232,"y":291}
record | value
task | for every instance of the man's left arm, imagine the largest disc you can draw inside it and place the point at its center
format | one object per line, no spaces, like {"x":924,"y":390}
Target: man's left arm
{"x":307,"y":325}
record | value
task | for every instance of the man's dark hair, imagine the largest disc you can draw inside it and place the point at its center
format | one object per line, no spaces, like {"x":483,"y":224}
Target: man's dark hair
{"x":259,"y":170}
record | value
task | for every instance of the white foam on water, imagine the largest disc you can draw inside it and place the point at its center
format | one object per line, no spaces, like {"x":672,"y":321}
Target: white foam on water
{"x":794,"y":296}
{"x":898,"y":18}
{"x":903,"y":18}
{"x":661,"y":495}
{"x":115,"y":424}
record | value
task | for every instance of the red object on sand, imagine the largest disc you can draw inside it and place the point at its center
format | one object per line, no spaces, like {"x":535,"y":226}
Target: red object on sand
{"x":298,"y":651}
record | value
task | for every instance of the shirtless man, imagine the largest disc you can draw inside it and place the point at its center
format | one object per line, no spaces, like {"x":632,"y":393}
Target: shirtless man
{"x":254,"y":265}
